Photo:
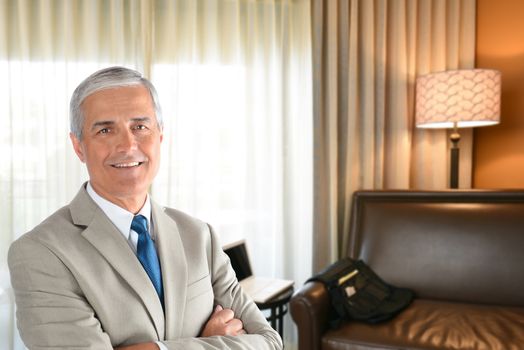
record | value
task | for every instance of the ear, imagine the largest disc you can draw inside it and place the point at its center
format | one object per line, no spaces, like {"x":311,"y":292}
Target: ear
{"x":77,"y":146}
{"x":161,"y":133}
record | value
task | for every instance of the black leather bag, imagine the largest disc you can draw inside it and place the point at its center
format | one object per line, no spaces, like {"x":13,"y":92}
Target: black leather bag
{"x":357,"y":293}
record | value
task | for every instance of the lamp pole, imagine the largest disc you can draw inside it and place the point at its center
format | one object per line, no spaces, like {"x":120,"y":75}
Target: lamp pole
{"x":454,"y":153}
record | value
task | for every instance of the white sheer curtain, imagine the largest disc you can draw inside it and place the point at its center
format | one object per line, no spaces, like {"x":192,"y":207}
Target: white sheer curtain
{"x":235,"y":86}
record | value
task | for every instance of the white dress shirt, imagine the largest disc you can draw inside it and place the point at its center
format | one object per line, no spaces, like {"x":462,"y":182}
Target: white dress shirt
{"x":122,"y":219}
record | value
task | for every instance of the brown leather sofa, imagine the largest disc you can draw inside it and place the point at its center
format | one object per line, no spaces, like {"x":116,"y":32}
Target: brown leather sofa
{"x":462,"y":252}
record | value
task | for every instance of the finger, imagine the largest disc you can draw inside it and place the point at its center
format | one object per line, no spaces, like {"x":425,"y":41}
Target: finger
{"x":218,"y":308}
{"x":234,"y":326}
{"x":226,"y":315}
{"x":242,"y":331}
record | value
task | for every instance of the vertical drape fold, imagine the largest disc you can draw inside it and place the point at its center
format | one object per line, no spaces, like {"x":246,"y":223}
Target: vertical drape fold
{"x":366,"y":57}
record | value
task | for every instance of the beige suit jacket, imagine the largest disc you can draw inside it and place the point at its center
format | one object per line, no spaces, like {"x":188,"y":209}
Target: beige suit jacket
{"x":78,"y":285}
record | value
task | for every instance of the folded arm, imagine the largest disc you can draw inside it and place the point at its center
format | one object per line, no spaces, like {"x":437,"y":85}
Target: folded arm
{"x":255,"y":332}
{"x":53,"y":312}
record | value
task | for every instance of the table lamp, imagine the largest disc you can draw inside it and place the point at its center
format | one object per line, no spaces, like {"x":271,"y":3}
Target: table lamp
{"x":458,"y":99}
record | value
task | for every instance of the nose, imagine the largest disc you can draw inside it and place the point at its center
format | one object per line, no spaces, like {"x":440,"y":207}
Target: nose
{"x":126,"y":141}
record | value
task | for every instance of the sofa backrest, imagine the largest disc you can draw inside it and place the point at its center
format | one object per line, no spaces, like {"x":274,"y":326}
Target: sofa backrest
{"x":464,"y":246}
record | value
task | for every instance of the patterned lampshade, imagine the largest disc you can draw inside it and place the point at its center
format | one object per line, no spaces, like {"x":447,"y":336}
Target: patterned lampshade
{"x":468,"y":97}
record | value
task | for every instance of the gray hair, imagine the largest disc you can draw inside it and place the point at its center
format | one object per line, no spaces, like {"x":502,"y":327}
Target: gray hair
{"x":107,"y":78}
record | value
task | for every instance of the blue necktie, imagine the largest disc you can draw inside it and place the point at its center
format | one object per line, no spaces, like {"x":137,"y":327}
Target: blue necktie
{"x":146,"y":254}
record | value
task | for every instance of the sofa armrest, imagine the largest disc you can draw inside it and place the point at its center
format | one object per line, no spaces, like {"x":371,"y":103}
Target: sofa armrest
{"x":309,"y":308}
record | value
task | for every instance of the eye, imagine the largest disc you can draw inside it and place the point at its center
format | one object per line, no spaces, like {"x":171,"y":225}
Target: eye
{"x":140,"y":127}
{"x":103,"y":131}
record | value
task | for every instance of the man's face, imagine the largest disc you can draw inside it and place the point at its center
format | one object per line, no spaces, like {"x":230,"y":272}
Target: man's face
{"x":120,"y":144}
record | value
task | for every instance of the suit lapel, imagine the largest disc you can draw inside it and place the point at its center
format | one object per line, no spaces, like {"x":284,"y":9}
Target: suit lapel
{"x":174,"y":270}
{"x":110,"y":243}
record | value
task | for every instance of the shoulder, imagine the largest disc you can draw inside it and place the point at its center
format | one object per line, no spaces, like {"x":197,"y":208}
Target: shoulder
{"x":188,"y":226}
{"x":192,"y":231}
{"x":56,"y":224}
{"x":56,"y":230}
{"x":184,"y":220}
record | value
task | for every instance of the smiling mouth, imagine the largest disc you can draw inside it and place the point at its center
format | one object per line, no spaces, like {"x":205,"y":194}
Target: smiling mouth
{"x":126,"y":165}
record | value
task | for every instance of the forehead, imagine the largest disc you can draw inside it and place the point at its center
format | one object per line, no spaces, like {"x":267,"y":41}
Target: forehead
{"x":130,"y":101}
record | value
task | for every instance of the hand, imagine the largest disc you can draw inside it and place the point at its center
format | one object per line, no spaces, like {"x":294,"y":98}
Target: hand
{"x":223,"y":322}
{"x":142,"y":346}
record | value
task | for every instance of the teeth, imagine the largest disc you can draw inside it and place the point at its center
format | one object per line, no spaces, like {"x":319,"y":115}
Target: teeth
{"x":126,"y":165}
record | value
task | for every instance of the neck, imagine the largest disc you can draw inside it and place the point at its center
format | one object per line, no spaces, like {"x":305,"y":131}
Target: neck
{"x":132,"y":203}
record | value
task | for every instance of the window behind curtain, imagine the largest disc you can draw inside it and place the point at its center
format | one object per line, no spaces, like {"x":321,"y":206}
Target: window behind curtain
{"x":235,"y":87}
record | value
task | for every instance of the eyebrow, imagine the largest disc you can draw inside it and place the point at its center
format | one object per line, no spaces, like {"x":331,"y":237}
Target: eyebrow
{"x":141,"y":119}
{"x":110,"y":122}
{"x":102,"y":123}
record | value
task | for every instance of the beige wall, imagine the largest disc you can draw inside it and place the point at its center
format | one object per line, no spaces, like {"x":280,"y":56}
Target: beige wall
{"x":498,"y":151}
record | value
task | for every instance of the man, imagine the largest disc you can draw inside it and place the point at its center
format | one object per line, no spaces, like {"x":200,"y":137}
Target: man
{"x":114,"y":269}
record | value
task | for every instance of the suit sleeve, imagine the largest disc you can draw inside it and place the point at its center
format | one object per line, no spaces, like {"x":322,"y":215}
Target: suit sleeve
{"x":51,"y":309}
{"x":227,"y":293}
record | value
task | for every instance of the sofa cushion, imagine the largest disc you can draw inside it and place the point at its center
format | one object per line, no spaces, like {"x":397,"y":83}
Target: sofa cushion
{"x":430,"y":324}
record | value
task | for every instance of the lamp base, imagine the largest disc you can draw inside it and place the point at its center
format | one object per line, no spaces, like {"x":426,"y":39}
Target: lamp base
{"x":454,"y":169}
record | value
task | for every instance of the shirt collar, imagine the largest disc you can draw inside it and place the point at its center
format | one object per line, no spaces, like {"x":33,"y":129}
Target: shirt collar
{"x":120,"y":217}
